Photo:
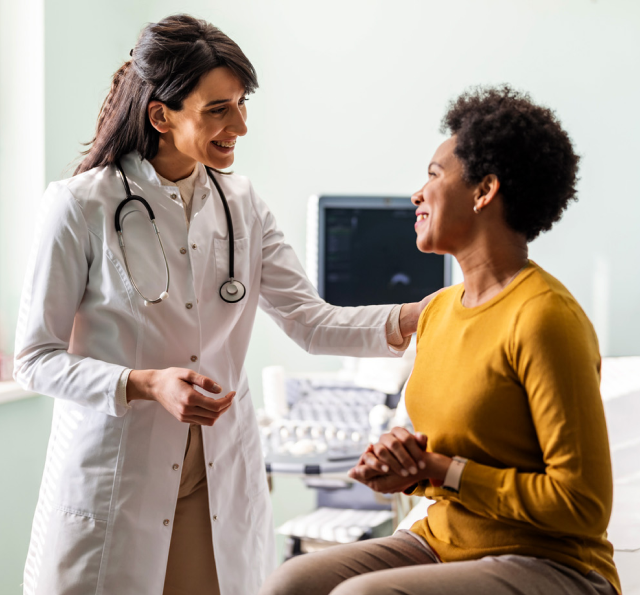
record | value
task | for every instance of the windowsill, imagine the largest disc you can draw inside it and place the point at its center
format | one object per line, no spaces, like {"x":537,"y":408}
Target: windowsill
{"x":10,"y":391}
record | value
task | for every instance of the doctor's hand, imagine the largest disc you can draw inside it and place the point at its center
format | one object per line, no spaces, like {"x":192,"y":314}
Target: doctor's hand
{"x":174,"y":389}
{"x":410,"y":314}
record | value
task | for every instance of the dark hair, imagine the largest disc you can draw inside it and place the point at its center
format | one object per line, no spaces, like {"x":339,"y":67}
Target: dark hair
{"x":501,"y":131}
{"x":167,"y":62}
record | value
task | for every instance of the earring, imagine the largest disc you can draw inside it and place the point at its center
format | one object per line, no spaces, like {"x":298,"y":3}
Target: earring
{"x":476,"y":210}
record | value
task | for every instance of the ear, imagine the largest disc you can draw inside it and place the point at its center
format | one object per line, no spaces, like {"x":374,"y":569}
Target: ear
{"x":486,"y":191}
{"x":158,"y":113}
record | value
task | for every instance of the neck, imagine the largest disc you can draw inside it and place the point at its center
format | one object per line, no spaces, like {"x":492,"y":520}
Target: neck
{"x":490,"y":264}
{"x":170,"y":163}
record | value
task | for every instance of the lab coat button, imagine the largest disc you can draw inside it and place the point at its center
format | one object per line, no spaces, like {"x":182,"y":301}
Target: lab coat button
{"x":174,"y":196}
{"x":194,"y":246}
{"x":165,"y":522}
{"x":210,"y":463}
{"x":204,"y":196}
{"x":215,"y":517}
{"x":183,"y":250}
{"x":194,"y":358}
{"x":176,"y":467}
{"x":189,"y":305}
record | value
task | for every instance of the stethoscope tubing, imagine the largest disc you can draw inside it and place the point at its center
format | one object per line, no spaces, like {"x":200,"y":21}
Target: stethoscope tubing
{"x":152,"y":217}
{"x":227,"y":213}
{"x":165,"y":293}
{"x":231,"y":291}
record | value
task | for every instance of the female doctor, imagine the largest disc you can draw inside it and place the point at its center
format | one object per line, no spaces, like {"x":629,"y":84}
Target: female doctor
{"x":138,"y":334}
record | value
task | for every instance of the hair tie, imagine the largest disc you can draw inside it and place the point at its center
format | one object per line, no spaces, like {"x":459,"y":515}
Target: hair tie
{"x":131,"y":53}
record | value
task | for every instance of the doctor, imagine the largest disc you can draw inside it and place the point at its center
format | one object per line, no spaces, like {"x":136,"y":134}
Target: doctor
{"x":142,"y":494}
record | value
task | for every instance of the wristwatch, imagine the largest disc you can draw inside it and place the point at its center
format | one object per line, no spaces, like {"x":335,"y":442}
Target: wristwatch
{"x":454,"y":474}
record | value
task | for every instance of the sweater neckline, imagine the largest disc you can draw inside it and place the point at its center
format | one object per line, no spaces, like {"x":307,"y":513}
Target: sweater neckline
{"x":465,"y":312}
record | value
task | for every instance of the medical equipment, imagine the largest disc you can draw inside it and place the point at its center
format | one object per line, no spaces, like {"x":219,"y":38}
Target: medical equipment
{"x":328,"y":526}
{"x":361,"y":250}
{"x":326,"y":428}
{"x":346,"y":512}
{"x":231,"y":291}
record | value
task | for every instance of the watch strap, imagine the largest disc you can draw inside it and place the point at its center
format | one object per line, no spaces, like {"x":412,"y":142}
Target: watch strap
{"x":454,"y":474}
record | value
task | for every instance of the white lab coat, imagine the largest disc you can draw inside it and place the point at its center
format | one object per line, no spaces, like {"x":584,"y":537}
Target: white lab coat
{"x":106,"y":505}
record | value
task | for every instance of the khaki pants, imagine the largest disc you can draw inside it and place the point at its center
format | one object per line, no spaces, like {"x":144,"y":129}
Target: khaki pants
{"x":406,"y":565}
{"x":191,"y":568}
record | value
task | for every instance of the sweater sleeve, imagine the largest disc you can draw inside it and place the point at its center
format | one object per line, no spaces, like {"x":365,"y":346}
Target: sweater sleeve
{"x":554,"y":353}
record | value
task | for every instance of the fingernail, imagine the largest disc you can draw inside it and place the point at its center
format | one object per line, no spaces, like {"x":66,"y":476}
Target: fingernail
{"x":404,"y":473}
{"x":422,"y":464}
{"x":217,"y":388}
{"x":385,"y":469}
{"x":413,"y":470}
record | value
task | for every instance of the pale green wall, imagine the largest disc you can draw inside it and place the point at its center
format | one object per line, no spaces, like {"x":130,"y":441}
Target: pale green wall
{"x":22,"y":152}
{"x":24,"y":426}
{"x":351,"y":96}
{"x":24,"y":433}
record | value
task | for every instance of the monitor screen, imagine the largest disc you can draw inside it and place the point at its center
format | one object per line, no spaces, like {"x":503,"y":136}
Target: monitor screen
{"x":367,"y":253}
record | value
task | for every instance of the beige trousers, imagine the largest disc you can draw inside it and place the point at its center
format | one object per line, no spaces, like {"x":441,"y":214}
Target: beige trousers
{"x":191,"y":568}
{"x":406,"y":565}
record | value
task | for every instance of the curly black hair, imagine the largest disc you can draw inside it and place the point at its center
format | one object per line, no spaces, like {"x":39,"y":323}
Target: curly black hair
{"x":501,"y":131}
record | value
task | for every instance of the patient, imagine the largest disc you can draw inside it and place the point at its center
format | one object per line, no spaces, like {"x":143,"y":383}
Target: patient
{"x":511,"y":440}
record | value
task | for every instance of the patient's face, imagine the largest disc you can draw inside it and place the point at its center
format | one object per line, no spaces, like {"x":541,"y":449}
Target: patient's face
{"x":445,"y":204}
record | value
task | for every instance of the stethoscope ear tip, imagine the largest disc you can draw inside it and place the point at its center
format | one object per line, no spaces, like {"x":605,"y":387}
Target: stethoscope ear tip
{"x":164,"y":295}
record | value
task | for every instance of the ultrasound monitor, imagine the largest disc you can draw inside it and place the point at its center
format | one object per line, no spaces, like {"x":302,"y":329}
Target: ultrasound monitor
{"x":362,"y":251}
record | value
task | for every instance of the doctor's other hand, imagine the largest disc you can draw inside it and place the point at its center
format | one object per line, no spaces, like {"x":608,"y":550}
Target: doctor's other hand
{"x":410,"y":313}
{"x":174,"y":389}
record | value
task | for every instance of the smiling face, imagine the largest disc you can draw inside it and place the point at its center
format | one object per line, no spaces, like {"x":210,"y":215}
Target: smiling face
{"x":207,"y":127}
{"x":444,"y":217}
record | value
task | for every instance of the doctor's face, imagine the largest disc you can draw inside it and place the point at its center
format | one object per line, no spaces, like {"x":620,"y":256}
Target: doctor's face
{"x":444,"y":217}
{"x":212,"y":118}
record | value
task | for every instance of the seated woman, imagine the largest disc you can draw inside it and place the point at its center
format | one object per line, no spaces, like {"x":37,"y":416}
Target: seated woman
{"x":511,"y":443}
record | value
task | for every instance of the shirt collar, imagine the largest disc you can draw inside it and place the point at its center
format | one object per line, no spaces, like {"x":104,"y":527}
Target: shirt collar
{"x":136,"y":166}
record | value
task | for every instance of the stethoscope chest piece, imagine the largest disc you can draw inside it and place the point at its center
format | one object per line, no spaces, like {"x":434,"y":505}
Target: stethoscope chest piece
{"x":232,"y":291}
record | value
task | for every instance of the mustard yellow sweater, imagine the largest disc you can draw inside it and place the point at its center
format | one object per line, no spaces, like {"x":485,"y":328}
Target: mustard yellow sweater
{"x":514,"y":386}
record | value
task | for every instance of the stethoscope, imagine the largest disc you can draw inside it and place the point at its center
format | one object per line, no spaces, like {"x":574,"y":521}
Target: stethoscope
{"x":231,"y":291}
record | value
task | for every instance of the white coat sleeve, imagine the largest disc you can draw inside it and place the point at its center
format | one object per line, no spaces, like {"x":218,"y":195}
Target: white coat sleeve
{"x":289,"y":297}
{"x":53,"y":289}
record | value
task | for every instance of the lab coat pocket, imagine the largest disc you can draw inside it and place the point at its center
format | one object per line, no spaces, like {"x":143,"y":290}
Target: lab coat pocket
{"x":74,"y":546}
{"x":241,"y":269}
{"x":122,"y":299}
{"x":85,"y":450}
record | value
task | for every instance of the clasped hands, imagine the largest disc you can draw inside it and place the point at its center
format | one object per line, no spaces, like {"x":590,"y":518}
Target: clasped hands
{"x":399,"y":461}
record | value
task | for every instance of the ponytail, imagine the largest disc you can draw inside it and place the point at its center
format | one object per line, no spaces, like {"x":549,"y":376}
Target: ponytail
{"x":118,"y":131}
{"x":108,"y":104}
{"x":167,"y":63}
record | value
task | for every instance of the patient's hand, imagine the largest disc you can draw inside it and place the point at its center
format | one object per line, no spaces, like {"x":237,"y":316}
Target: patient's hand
{"x":398,"y":461}
{"x":387,"y":483}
